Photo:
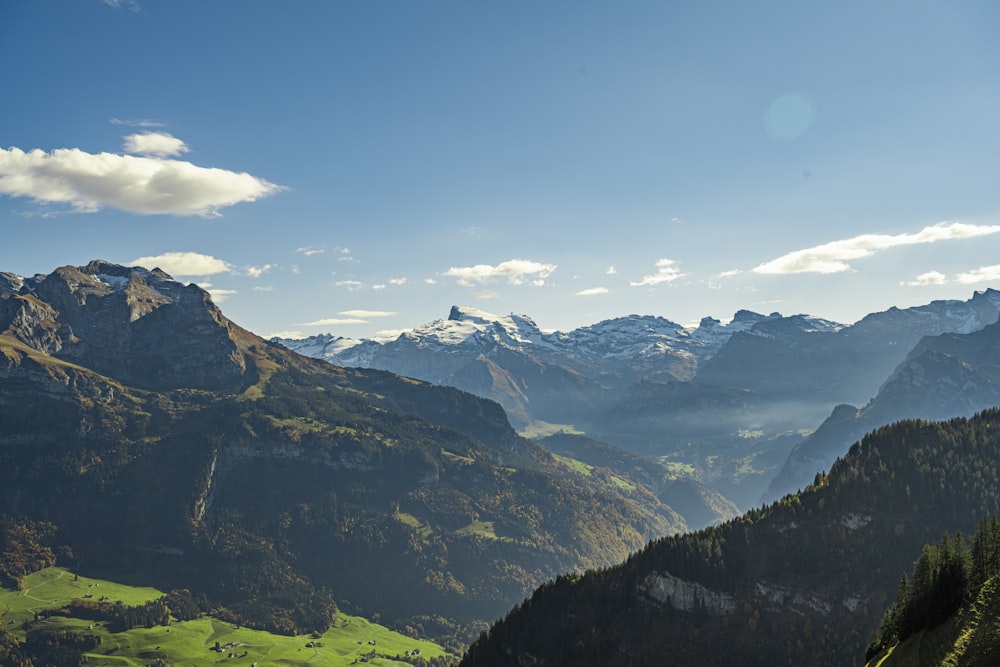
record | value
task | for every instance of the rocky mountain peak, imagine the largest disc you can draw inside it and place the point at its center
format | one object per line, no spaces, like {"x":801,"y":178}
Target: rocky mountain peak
{"x":750,"y":316}
{"x":137,"y":326}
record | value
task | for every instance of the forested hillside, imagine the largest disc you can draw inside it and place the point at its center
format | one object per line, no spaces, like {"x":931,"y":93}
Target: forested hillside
{"x":805,"y":580}
{"x":277,"y":486}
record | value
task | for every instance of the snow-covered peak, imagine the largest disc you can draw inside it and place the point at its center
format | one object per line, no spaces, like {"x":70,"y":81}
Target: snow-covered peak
{"x":469,"y":314}
{"x":471,"y":326}
{"x":337,"y":350}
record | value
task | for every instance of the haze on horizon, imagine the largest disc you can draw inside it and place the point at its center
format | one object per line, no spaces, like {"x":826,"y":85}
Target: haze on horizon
{"x":359,"y":167}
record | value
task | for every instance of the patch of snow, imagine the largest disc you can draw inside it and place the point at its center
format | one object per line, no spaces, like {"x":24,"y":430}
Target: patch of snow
{"x":117,"y":283}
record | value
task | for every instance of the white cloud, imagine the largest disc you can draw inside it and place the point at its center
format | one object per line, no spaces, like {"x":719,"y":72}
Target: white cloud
{"x":335,"y":321}
{"x":929,"y":278}
{"x":514,"y":271}
{"x":666,"y":272}
{"x":130,"y":5}
{"x":833,"y":257}
{"x":593,"y":291}
{"x":311,"y":251}
{"x":350,"y":285}
{"x":397,"y":281}
{"x":485,"y":294}
{"x":184,"y":264}
{"x":611,"y":271}
{"x":160,"y":144}
{"x":261,"y":288}
{"x":379,"y":287}
{"x":258,"y":271}
{"x":220,"y":295}
{"x":367,"y":313}
{"x":137,"y":184}
{"x":730,"y":273}
{"x":430,"y":281}
{"x":137,"y":122}
{"x":983,"y":274}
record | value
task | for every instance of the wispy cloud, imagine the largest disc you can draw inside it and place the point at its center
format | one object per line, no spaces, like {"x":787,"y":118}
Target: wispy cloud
{"x":666,"y":272}
{"x":350,"y":317}
{"x":334,"y":321}
{"x":144,"y":185}
{"x":160,"y":144}
{"x":262,"y":288}
{"x":611,"y":271}
{"x":430,"y":281}
{"x":350,"y":285}
{"x":593,"y":291}
{"x":308,"y":252}
{"x":218,"y":295}
{"x":137,"y":122}
{"x":184,"y":264}
{"x":983,"y":274}
{"x":730,"y":273}
{"x":367,"y":313}
{"x":514,"y":272}
{"x":129,"y":5}
{"x":485,"y":294}
{"x":834,"y":257}
{"x":398,"y":282}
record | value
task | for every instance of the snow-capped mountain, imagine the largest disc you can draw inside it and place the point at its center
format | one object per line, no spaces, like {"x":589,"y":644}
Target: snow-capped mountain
{"x":725,"y":402}
{"x":615,"y":347}
{"x":536,"y":375}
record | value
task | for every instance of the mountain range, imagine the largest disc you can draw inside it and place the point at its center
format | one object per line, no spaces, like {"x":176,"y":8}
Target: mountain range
{"x":156,"y":435}
{"x":143,"y":431}
{"x":728,"y":405}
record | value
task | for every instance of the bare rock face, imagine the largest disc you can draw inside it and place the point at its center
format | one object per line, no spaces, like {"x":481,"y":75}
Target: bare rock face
{"x":137,"y":326}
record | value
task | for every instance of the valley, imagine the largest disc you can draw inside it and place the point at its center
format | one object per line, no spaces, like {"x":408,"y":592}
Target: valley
{"x":143,"y":431}
{"x":733,"y":406}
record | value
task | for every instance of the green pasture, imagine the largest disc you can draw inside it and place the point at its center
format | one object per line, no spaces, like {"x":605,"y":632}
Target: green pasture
{"x":193,"y":642}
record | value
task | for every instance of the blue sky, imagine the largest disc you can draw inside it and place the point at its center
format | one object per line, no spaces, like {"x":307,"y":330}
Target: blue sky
{"x":356,"y":167}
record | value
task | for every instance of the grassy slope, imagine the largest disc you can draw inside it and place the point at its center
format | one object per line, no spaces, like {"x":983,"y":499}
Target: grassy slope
{"x":971,"y":637}
{"x":191,"y":642}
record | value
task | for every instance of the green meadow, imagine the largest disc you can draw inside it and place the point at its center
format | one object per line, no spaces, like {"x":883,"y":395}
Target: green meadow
{"x":351,"y":639}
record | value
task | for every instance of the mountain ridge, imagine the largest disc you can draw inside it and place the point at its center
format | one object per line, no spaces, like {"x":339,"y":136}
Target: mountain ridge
{"x":724,"y":404}
{"x":155,"y":433}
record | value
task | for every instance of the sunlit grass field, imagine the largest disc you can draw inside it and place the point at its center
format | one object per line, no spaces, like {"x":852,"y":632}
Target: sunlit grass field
{"x":193,"y":642}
